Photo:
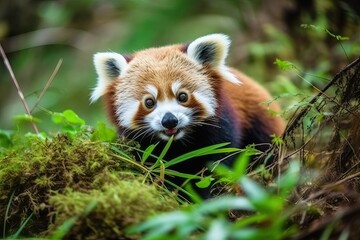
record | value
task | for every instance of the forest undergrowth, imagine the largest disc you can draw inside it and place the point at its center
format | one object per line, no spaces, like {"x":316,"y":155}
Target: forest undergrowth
{"x":81,"y":182}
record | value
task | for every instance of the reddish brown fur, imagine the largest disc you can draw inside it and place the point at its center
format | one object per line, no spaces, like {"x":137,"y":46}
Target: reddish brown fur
{"x":109,"y":102}
{"x":247,"y":100}
{"x":171,"y":65}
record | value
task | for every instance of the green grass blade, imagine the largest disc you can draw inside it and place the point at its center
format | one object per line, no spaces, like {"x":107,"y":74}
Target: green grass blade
{"x":169,"y":172}
{"x":222,"y":150}
{"x":166,"y":148}
{"x":240,"y":165}
{"x":64,"y":228}
{"x":196,"y":153}
{"x":16,"y":235}
{"x":163,"y":153}
{"x":147,"y":152}
{"x":179,"y":188}
{"x":117,"y":151}
{"x":7,"y":212}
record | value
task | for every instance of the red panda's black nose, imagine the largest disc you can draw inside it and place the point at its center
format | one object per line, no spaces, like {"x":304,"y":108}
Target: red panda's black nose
{"x":169,"y":120}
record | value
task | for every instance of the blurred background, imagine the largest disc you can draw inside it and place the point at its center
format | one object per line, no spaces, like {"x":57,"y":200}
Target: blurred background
{"x":36,"y":35}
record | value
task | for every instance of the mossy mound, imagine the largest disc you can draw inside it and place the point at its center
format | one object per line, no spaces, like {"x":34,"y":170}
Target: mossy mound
{"x":49,"y":181}
{"x":113,"y":208}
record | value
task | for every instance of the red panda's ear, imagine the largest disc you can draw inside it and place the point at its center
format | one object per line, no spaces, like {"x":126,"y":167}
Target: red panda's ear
{"x":108,"y":67}
{"x":210,"y":49}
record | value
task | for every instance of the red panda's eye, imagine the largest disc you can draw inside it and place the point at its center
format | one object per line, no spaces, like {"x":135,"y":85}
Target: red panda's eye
{"x":182,"y":97}
{"x":149,"y":103}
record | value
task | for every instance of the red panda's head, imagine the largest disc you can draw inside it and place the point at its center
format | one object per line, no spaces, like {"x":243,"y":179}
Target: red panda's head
{"x":163,"y":91}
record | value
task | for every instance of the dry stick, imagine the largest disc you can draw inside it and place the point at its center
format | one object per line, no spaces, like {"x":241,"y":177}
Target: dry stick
{"x":21,"y":95}
{"x":47,"y":84}
{"x":291,"y":125}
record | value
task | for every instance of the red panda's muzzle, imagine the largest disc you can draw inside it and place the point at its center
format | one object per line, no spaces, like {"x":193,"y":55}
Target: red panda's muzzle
{"x":170,"y":123}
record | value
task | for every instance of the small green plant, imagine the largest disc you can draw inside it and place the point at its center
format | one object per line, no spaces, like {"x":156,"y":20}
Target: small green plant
{"x":160,"y":168}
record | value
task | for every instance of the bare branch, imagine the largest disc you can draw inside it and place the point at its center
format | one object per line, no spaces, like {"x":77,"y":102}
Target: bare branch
{"x":47,"y":84}
{"x":21,"y":95}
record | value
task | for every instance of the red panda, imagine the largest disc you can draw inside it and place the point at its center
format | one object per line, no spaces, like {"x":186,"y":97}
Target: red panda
{"x":188,"y":92}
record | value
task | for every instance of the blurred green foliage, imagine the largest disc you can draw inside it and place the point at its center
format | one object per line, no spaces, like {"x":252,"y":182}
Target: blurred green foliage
{"x":209,"y":219}
{"x":37,"y":34}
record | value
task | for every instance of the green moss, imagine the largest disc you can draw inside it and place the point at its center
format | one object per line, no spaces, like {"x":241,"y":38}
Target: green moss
{"x":71,"y":172}
{"x":117,"y":206}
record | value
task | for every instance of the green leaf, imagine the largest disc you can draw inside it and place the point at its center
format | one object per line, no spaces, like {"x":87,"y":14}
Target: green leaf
{"x":72,"y":117}
{"x":147,"y":152}
{"x":194,"y":196}
{"x":290,"y":178}
{"x":89,"y":207}
{"x":16,"y":235}
{"x":64,"y":228}
{"x":240,"y":165}
{"x":5,"y":138}
{"x":41,"y":135}
{"x":225,"y":174}
{"x":57,"y":118}
{"x":26,"y":118}
{"x":204,"y":183}
{"x":284,"y":65}
{"x":252,"y":189}
{"x":7,"y":213}
{"x":163,"y":153}
{"x":219,"y":230}
{"x":68,"y":117}
{"x":170,"y":172}
{"x":225,"y":203}
{"x":196,"y":153}
{"x":103,"y":133}
{"x":166,"y":148}
{"x":276,"y":139}
{"x":160,"y":224}
{"x":119,"y":152}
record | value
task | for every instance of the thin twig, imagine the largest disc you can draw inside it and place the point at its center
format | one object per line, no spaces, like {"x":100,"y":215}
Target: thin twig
{"x":21,"y":95}
{"x":47,"y":84}
{"x":292,"y":124}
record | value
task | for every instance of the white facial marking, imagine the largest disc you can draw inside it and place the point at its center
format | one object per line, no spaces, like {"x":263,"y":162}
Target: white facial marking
{"x":126,"y":111}
{"x":175,"y":87}
{"x":224,"y":71}
{"x":152,"y":90}
{"x":183,"y":115}
{"x":207,"y":100}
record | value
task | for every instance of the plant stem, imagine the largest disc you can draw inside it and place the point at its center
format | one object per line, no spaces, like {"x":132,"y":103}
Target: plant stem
{"x":47,"y":84}
{"x":21,"y":95}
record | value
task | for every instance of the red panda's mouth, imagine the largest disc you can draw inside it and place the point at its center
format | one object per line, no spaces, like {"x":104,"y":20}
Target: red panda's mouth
{"x":171,"y":131}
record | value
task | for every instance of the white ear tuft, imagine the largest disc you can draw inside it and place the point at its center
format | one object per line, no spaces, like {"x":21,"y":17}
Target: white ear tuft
{"x":108,"y":67}
{"x":210,"y":49}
